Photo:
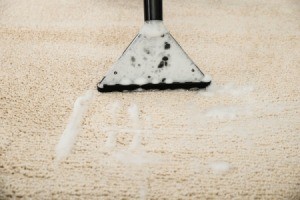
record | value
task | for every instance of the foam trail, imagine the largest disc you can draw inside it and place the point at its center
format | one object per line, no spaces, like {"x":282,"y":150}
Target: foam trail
{"x":114,"y":108}
{"x":219,"y":166}
{"x":112,"y":136}
{"x":144,"y":190}
{"x":227,"y":112}
{"x":67,"y":140}
{"x":133,"y":112}
{"x":148,"y":126}
{"x":111,"y":139}
{"x":140,"y":157}
{"x":227,"y":89}
{"x":126,"y":130}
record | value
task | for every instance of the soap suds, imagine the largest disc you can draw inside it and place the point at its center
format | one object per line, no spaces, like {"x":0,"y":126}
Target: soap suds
{"x":227,"y":112}
{"x":114,"y":108}
{"x":67,"y":140}
{"x":140,"y":81}
{"x":219,"y":166}
{"x":133,"y":112}
{"x":148,"y":131}
{"x":135,"y":155}
{"x":227,"y":89}
{"x":125,"y":81}
{"x":143,"y":193}
{"x":126,"y":130}
{"x":169,"y":81}
{"x":112,"y":134}
{"x":136,"y":158}
{"x":111,"y":139}
{"x":155,"y":81}
{"x":207,"y":78}
{"x":153,"y":29}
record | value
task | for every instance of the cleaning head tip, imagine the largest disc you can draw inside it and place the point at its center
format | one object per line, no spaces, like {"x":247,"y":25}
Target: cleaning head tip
{"x":207,"y":78}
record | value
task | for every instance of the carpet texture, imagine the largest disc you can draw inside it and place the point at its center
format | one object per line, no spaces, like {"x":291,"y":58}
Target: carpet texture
{"x":237,"y":140}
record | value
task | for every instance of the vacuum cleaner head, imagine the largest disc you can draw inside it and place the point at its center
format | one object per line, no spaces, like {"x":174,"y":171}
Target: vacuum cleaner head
{"x":153,"y":60}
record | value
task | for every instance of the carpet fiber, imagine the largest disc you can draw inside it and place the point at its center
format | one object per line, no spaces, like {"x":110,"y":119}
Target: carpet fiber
{"x":237,"y":140}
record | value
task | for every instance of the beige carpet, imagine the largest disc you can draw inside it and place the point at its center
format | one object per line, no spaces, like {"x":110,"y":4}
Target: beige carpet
{"x":238,"y":140}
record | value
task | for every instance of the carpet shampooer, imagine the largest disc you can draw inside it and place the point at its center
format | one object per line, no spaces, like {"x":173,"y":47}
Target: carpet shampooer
{"x":154,"y":60}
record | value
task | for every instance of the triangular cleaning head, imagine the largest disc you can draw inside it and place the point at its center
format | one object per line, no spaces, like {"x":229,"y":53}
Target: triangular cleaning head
{"x":153,"y":60}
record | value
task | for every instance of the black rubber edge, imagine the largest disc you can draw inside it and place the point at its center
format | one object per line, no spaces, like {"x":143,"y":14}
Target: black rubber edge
{"x":160,"y":86}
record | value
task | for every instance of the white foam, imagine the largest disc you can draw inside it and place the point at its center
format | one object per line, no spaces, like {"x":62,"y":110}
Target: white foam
{"x":140,"y":81}
{"x":135,"y":158}
{"x":126,"y":130}
{"x":143,"y":193}
{"x":112,"y":134}
{"x":227,"y":112}
{"x":67,"y":140}
{"x":227,"y":89}
{"x":169,"y":81}
{"x":125,"y":81}
{"x":136,"y":141}
{"x":219,"y":166}
{"x":153,"y":28}
{"x":114,"y":108}
{"x":148,"y":125}
{"x":207,"y":78}
{"x":133,"y":112}
{"x":222,"y":112}
{"x":155,"y":81}
{"x":100,"y":85}
{"x":111,"y":139}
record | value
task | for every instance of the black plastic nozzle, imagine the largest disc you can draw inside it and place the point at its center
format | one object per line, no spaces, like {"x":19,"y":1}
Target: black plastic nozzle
{"x":153,"y":10}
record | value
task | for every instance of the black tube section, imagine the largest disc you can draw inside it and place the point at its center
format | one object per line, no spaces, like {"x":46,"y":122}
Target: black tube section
{"x":153,"y":10}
